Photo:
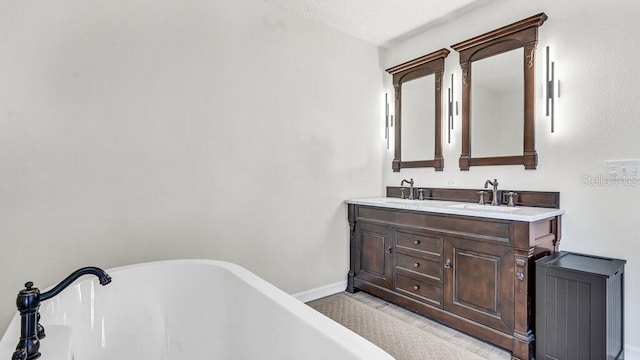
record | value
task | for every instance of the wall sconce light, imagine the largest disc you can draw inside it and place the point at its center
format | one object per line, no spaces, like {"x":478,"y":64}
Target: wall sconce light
{"x":451,"y":108}
{"x":388,"y":119}
{"x":550,"y":82}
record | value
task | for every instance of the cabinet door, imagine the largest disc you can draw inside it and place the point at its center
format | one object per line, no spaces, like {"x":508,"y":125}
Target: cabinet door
{"x":373,"y":246}
{"x":479,"y":282}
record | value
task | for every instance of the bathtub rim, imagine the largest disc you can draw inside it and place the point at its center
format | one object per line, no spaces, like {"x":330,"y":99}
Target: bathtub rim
{"x":351,"y":342}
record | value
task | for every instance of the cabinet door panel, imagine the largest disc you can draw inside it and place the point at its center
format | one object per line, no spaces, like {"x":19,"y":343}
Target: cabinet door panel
{"x":375,"y":262}
{"x":479,"y":284}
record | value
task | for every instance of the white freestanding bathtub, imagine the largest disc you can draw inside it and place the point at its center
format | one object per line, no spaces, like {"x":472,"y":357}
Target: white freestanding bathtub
{"x":186,"y":310}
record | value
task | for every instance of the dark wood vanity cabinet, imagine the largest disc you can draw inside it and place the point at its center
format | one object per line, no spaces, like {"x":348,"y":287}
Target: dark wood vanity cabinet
{"x":473,"y":274}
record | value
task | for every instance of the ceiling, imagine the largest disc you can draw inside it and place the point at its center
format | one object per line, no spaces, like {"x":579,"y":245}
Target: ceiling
{"x":380,"y":22}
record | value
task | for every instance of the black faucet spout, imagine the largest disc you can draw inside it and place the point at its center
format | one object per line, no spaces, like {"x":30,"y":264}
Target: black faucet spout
{"x":103,"y":277}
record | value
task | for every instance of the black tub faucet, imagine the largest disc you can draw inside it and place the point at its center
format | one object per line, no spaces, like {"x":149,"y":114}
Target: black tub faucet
{"x":28,"y":303}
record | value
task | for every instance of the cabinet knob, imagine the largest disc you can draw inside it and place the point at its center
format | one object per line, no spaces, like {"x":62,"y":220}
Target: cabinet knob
{"x":388,"y":251}
{"x":416,"y":242}
{"x":415,"y":265}
{"x":447,"y":264}
{"x":416,"y":287}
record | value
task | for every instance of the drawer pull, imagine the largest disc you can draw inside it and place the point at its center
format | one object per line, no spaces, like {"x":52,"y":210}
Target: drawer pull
{"x":447,"y":264}
{"x":415,"y":265}
{"x":416,"y":242}
{"x":416,"y":287}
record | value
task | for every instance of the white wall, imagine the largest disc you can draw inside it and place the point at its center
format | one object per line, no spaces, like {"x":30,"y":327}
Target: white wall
{"x":142,"y":129}
{"x":594,"y":44}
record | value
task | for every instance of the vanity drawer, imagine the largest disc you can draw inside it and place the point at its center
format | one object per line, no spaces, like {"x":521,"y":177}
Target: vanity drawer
{"x":425,"y":290}
{"x":428,"y":268}
{"x":428,"y":244}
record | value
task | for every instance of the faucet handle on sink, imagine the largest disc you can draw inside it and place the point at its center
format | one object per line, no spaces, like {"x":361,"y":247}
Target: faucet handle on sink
{"x":482,"y":194}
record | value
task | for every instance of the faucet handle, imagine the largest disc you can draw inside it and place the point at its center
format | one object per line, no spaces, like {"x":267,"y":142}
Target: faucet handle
{"x":40,"y":330}
{"x":402,"y":195}
{"x":482,"y":194}
{"x":28,"y":298}
{"x":511,"y":196}
{"x":420,"y":194}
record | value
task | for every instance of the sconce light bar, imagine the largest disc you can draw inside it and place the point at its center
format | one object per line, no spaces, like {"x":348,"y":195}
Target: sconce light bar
{"x":450,"y":108}
{"x":386,"y":118}
{"x":550,"y":91}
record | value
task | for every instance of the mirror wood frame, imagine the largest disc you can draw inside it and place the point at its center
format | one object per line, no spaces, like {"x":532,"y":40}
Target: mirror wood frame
{"x":521,"y":34}
{"x":426,"y":65}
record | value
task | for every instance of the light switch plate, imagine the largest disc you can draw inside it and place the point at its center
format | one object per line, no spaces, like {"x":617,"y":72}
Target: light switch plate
{"x":623,"y":169}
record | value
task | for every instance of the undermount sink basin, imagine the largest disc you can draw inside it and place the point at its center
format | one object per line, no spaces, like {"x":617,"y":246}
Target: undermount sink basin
{"x":402,"y":202}
{"x":483,"y":207}
{"x":407,"y":202}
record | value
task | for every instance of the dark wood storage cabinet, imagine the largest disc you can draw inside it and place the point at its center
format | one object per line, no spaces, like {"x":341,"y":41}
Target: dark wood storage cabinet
{"x":579,"y":307}
{"x":468,"y":272}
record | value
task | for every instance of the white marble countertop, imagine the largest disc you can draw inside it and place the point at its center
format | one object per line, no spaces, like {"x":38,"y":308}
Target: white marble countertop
{"x":518,"y":213}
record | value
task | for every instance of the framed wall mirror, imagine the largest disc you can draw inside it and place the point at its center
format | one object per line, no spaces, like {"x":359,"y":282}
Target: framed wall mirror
{"x":418,"y":112}
{"x":498,"y":99}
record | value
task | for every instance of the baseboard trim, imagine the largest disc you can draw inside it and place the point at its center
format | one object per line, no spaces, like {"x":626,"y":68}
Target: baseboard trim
{"x":323,"y":291}
{"x":631,"y":352}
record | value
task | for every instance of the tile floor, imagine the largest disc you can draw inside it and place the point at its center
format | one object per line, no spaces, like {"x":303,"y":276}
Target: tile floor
{"x":478,"y":347}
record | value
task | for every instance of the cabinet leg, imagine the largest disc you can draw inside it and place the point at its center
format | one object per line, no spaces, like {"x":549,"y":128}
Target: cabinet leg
{"x":350,"y":286}
{"x":524,"y":349}
{"x":523,"y":338}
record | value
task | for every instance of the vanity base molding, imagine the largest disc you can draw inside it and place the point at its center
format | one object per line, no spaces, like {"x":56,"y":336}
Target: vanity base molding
{"x":473,"y":274}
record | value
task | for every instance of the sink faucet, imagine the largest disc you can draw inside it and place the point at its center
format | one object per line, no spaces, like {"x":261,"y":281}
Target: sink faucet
{"x":28,"y":303}
{"x":494,"y":183}
{"x":410,"y":187}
